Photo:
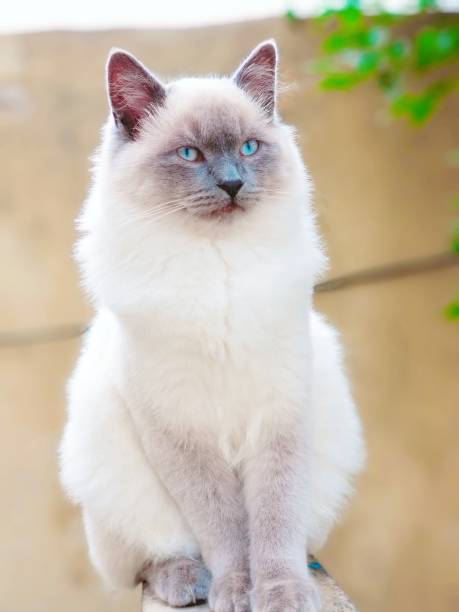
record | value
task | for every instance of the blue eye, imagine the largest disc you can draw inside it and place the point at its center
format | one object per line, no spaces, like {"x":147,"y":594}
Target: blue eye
{"x":190,"y":154}
{"x":250,"y":147}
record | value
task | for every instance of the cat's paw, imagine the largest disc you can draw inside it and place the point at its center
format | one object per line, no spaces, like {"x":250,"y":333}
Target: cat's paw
{"x":289,"y":592}
{"x":178,"y":581}
{"x":231,"y":593}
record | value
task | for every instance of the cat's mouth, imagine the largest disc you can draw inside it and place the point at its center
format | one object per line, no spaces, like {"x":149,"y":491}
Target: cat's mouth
{"x":226,"y":209}
{"x":218,"y":210}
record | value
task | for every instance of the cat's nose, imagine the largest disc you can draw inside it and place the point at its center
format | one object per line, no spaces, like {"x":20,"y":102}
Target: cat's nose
{"x":231,"y":187}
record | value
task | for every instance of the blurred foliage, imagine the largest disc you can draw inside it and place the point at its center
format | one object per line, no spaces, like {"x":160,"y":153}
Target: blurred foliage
{"x":406,"y":63}
{"x":452,"y":311}
{"x":358,"y":47}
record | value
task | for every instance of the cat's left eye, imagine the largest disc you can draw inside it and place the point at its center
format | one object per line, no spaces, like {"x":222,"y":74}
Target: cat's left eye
{"x":250,"y":147}
{"x":190,"y":154}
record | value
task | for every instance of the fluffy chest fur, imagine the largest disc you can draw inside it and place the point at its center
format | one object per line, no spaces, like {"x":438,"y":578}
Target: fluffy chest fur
{"x":221,"y":344}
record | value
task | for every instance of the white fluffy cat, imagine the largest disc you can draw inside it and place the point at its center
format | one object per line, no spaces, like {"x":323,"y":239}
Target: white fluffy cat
{"x":211,"y":435}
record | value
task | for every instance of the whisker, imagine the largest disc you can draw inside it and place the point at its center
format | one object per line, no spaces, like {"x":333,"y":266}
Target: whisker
{"x":277,"y":192}
{"x":152,"y":213}
{"x":194,"y":201}
{"x":162,"y":204}
{"x":166,"y":214}
{"x":162,"y":214}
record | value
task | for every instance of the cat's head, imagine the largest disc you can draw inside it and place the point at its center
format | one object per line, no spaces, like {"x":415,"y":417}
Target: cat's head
{"x":210,"y":148}
{"x":188,"y":169}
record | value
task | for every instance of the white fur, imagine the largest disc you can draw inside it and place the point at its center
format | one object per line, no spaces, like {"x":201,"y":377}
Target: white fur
{"x":206,"y":327}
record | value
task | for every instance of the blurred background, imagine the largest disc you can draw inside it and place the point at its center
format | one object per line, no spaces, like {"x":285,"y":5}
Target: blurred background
{"x":375,"y":101}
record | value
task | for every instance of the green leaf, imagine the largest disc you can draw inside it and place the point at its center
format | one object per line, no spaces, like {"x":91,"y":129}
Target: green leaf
{"x":425,"y":5}
{"x":341,"y":80}
{"x":419,"y":107}
{"x":336,"y":42}
{"x":436,"y":45}
{"x":455,"y":240}
{"x":377,"y":36}
{"x":292,"y":16}
{"x":368,"y":61}
{"x":351,"y":15}
{"x":398,"y":50}
{"x":362,"y":38}
{"x":452,"y":311}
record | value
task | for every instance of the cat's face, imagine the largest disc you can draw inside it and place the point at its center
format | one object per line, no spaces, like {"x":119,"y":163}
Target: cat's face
{"x":210,"y":148}
{"x":219,"y":155}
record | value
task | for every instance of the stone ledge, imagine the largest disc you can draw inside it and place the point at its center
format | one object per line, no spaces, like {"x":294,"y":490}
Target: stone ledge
{"x":334,"y":599}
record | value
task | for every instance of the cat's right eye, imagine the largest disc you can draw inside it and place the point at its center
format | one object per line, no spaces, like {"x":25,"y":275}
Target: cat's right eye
{"x":190,"y":154}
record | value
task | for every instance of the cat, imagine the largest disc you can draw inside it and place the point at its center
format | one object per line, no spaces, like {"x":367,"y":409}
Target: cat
{"x":212,"y":438}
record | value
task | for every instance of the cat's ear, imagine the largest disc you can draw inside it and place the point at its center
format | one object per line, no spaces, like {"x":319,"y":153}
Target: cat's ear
{"x":257,"y":75}
{"x":133,"y":91}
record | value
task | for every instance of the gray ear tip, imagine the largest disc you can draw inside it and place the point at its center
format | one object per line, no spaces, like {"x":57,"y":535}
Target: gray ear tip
{"x":270,"y":44}
{"x":122,"y":62}
{"x":270,"y":41}
{"x":116,"y":51}
{"x":267,"y":51}
{"x":118,"y":56}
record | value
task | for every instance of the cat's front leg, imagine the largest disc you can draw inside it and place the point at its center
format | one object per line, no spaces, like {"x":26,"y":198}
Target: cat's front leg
{"x":209,"y":495}
{"x":276,"y":495}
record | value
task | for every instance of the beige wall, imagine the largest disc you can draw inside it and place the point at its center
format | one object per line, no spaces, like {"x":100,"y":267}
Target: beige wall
{"x":382,"y":193}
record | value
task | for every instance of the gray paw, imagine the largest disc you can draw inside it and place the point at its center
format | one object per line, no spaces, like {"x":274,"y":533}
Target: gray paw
{"x":288,"y":593}
{"x":230,"y":593}
{"x":179,"y":581}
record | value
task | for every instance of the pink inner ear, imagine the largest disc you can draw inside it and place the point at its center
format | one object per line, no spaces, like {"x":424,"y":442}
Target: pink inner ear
{"x":257,"y":76}
{"x":133,"y":91}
